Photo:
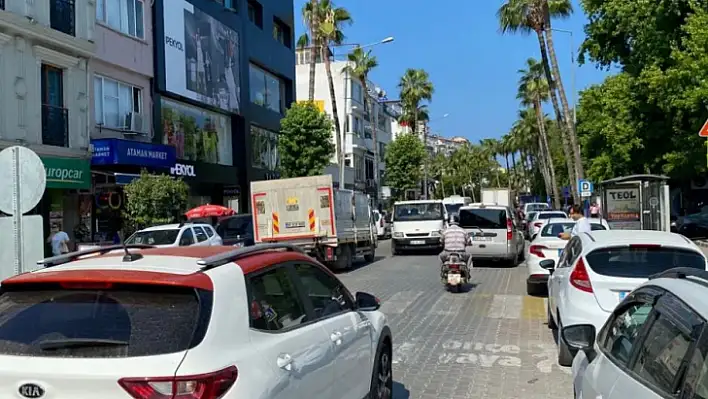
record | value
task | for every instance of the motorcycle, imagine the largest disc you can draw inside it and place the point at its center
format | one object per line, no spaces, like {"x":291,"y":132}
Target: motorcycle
{"x":454,"y":272}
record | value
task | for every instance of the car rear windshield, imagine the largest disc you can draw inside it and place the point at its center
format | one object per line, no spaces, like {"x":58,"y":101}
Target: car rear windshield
{"x":553,"y":229}
{"x":453,"y":208}
{"x":641,"y":262}
{"x":154,"y":237}
{"x":536,"y":207}
{"x":418,"y":212}
{"x":551,"y":215}
{"x":483,"y":218}
{"x":127,"y":321}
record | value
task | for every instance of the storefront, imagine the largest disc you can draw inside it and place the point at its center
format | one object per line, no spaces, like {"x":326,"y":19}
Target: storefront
{"x":67,"y":201}
{"x":210,"y":183}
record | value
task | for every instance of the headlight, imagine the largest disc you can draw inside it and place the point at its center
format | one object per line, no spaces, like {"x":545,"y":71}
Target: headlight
{"x":397,"y":234}
{"x":436,"y":233}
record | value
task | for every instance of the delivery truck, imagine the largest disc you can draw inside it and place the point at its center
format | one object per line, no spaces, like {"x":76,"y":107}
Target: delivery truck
{"x":332,"y":225}
{"x":499,"y":196}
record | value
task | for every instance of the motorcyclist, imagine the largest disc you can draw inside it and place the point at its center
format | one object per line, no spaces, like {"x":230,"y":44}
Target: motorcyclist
{"x":455,"y":240}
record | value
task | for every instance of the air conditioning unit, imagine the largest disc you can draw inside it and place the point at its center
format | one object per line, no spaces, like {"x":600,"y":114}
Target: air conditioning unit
{"x":133,"y":122}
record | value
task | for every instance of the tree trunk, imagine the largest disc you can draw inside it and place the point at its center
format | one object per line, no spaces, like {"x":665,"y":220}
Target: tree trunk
{"x":508,"y":170}
{"x":542,"y":166}
{"x":340,"y":139}
{"x":566,"y":109}
{"x":313,"y":50}
{"x":513,"y":167}
{"x":548,"y":155}
{"x":559,"y":117}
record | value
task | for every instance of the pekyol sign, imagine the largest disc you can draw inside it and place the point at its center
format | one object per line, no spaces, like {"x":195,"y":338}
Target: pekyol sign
{"x":183,"y":170}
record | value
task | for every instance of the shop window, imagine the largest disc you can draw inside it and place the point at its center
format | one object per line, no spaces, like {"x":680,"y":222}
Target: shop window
{"x":264,"y":147}
{"x":266,"y":89}
{"x":281,"y":32}
{"x":255,"y":13}
{"x":115,"y":104}
{"x":125,"y":16}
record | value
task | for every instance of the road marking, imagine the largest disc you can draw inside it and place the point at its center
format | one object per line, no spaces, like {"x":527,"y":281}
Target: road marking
{"x":449,"y":305}
{"x":505,"y":307}
{"x":403,"y":352}
{"x":533,"y":308}
{"x":398,"y":303}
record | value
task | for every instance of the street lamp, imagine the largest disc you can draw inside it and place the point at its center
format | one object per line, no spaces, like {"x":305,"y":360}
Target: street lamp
{"x":572,"y":63}
{"x":425,"y":162}
{"x":347,"y":99}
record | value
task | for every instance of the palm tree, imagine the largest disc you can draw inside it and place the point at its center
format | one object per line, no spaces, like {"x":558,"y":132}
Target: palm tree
{"x":330,"y":20}
{"x":360,"y":65}
{"x":527,"y":127}
{"x":310,"y":20}
{"x":415,"y":87}
{"x":490,"y":148}
{"x":533,"y":91}
{"x":507,"y":150}
{"x":528,"y":16}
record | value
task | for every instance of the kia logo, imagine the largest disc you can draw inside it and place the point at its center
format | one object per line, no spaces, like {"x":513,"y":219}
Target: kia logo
{"x":183,"y":170}
{"x":31,"y":391}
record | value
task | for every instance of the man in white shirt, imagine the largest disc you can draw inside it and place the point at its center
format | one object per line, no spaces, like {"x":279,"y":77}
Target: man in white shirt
{"x":582,"y":224}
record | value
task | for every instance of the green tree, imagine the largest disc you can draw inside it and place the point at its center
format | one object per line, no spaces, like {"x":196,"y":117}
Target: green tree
{"x":154,"y":200}
{"x":415,"y":87}
{"x":305,"y":141}
{"x":404,"y":159}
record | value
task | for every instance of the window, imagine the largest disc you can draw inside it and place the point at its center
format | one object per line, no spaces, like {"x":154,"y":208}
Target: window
{"x":624,"y":330}
{"x":114,"y":101}
{"x":281,"y":32}
{"x":624,"y":261}
{"x":369,"y":168}
{"x":418,"y":212}
{"x":382,"y":152}
{"x":274,"y":302}
{"x":661,"y":354}
{"x":48,"y":322}
{"x":359,"y":171}
{"x":554,"y":229}
{"x":697,"y":373}
{"x":264,"y":148}
{"x":154,"y":237}
{"x":483,"y":218}
{"x":209,"y":230}
{"x":255,"y":13}
{"x":357,"y":92}
{"x":122,"y":15}
{"x":543,"y":216}
{"x":201,"y":235}
{"x":266,"y":89}
{"x":187,"y":238}
{"x":238,"y":226}
{"x":327,"y":294}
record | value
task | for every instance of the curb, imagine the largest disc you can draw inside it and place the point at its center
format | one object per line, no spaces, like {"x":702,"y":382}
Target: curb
{"x":701,"y":243}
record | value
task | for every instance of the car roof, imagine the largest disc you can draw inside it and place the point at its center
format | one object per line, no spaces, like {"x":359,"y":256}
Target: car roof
{"x":612,"y":238}
{"x":418,"y":202}
{"x":690,"y":290}
{"x":478,"y":205}
{"x":173,"y":226}
{"x":569,"y":220}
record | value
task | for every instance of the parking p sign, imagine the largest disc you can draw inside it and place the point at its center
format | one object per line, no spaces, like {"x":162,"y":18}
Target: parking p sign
{"x":585,"y":188}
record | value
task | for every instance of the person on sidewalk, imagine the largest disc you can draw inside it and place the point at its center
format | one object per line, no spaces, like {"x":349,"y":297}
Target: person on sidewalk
{"x":59,"y":240}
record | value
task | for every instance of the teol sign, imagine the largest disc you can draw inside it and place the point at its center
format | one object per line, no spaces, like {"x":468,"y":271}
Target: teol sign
{"x":623,"y":195}
{"x":183,"y":170}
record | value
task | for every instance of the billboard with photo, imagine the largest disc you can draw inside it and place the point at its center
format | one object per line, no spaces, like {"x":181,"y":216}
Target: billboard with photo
{"x":201,"y":56}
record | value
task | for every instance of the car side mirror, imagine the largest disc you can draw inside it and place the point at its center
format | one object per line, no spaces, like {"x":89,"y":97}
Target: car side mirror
{"x":367,"y":302}
{"x":548,"y":264}
{"x":580,"y":337}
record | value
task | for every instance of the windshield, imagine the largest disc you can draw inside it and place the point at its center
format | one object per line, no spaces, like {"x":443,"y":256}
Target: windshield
{"x":453,"y":208}
{"x":641,"y":262}
{"x":235,"y":227}
{"x":483,"y":218}
{"x":418,"y":212}
{"x":536,"y":207}
{"x":530,"y":216}
{"x":554,"y":229}
{"x":154,"y":237}
{"x":551,"y":215}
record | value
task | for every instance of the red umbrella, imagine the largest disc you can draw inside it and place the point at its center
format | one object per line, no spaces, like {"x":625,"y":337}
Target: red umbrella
{"x":206,"y":211}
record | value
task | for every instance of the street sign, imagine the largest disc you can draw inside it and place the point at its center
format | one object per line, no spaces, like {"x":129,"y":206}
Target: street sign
{"x":653,"y":202}
{"x":585,"y":186}
{"x":704,"y":130}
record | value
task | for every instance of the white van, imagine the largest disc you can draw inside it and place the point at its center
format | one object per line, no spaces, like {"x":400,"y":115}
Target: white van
{"x":417,"y":225}
{"x":453,"y":203}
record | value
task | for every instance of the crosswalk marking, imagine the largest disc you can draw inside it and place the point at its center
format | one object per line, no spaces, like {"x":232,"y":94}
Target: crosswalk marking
{"x":506,"y":307}
{"x":533,"y":308}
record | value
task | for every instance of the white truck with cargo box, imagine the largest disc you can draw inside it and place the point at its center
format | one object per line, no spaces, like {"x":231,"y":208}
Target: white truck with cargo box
{"x":332,"y":225}
{"x":498,"y":196}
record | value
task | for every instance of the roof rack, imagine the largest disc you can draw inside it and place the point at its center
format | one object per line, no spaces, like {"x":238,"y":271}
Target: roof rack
{"x":231,"y":256}
{"x":682,"y":273}
{"x":72,"y":256}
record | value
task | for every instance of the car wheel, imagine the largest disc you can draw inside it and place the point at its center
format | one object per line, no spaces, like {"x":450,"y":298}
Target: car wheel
{"x":394,"y":250}
{"x":551,"y":323}
{"x":382,"y":375}
{"x":565,"y":356}
{"x":522,"y":255}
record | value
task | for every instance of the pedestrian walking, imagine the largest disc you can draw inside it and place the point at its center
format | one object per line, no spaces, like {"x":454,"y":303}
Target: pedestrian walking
{"x":594,"y":210}
{"x":59,"y":240}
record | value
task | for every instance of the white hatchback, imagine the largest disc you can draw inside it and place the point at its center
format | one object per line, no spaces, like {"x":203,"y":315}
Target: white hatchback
{"x":598,"y":269}
{"x":177,"y":235}
{"x":540,"y":218}
{"x":546,"y":245}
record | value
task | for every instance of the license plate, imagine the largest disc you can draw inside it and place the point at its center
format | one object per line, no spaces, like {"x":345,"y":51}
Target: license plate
{"x":454,"y":279}
{"x":481,"y":238}
{"x":560,"y":252}
{"x":418,"y":242}
{"x":622,"y":294}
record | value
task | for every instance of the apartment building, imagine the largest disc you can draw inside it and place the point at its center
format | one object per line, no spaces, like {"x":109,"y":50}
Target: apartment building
{"x":355,"y":118}
{"x":45,"y":97}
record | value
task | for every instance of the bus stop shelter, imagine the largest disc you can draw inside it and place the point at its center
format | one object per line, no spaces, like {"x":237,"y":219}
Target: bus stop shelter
{"x":636,"y":202}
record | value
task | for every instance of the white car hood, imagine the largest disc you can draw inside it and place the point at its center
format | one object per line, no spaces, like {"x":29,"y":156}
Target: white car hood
{"x":422,"y":226}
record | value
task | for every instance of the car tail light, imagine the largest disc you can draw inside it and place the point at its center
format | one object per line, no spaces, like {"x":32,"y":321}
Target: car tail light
{"x":537,"y":250}
{"x":509,"y":231}
{"x":381,"y":222}
{"x":538,"y":224}
{"x":580,"y":278}
{"x":453,"y":266}
{"x":204,"y":386}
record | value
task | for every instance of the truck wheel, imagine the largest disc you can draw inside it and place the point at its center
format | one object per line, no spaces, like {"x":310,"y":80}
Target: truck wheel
{"x":344,"y":260}
{"x":394,"y":250}
{"x":371,"y":256}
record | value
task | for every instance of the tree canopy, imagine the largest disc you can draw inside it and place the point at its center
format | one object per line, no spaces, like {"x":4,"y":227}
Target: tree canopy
{"x":153,"y":200}
{"x":404,"y":160}
{"x":305,"y":141}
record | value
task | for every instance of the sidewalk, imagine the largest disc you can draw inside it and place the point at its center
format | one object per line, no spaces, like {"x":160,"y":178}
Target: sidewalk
{"x":703,"y":245}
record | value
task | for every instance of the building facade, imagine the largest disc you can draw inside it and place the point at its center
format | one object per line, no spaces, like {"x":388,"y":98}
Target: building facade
{"x":45,"y":48}
{"x":357,"y":120}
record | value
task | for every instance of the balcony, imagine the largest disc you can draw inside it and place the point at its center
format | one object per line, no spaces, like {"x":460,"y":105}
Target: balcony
{"x":62,"y":16}
{"x":55,"y":126}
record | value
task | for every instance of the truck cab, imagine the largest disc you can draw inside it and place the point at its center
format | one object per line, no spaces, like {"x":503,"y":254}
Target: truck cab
{"x":453,"y":204}
{"x":417,"y":225}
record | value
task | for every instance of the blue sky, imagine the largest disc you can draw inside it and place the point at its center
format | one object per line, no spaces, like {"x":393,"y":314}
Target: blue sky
{"x":472,"y":66}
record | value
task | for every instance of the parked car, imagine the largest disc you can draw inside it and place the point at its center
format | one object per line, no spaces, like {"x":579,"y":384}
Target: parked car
{"x":535,"y":207}
{"x":597,"y":270}
{"x":540,"y":218}
{"x":547,"y":245}
{"x":525,"y":223}
{"x":652,"y":346}
{"x":176,"y":235}
{"x":494,"y":231}
{"x":265,"y":321}
{"x":236,"y":231}
{"x":383,"y":228}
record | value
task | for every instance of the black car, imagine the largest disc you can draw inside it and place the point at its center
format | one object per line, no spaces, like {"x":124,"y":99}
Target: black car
{"x":236,"y":230}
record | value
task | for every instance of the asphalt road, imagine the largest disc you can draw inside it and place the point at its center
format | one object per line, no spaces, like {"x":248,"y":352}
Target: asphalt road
{"x":490,"y":341}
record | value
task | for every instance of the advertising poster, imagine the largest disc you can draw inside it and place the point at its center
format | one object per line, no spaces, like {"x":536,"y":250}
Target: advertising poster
{"x":201,"y":57}
{"x":623,"y":208}
{"x":196,"y":134}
